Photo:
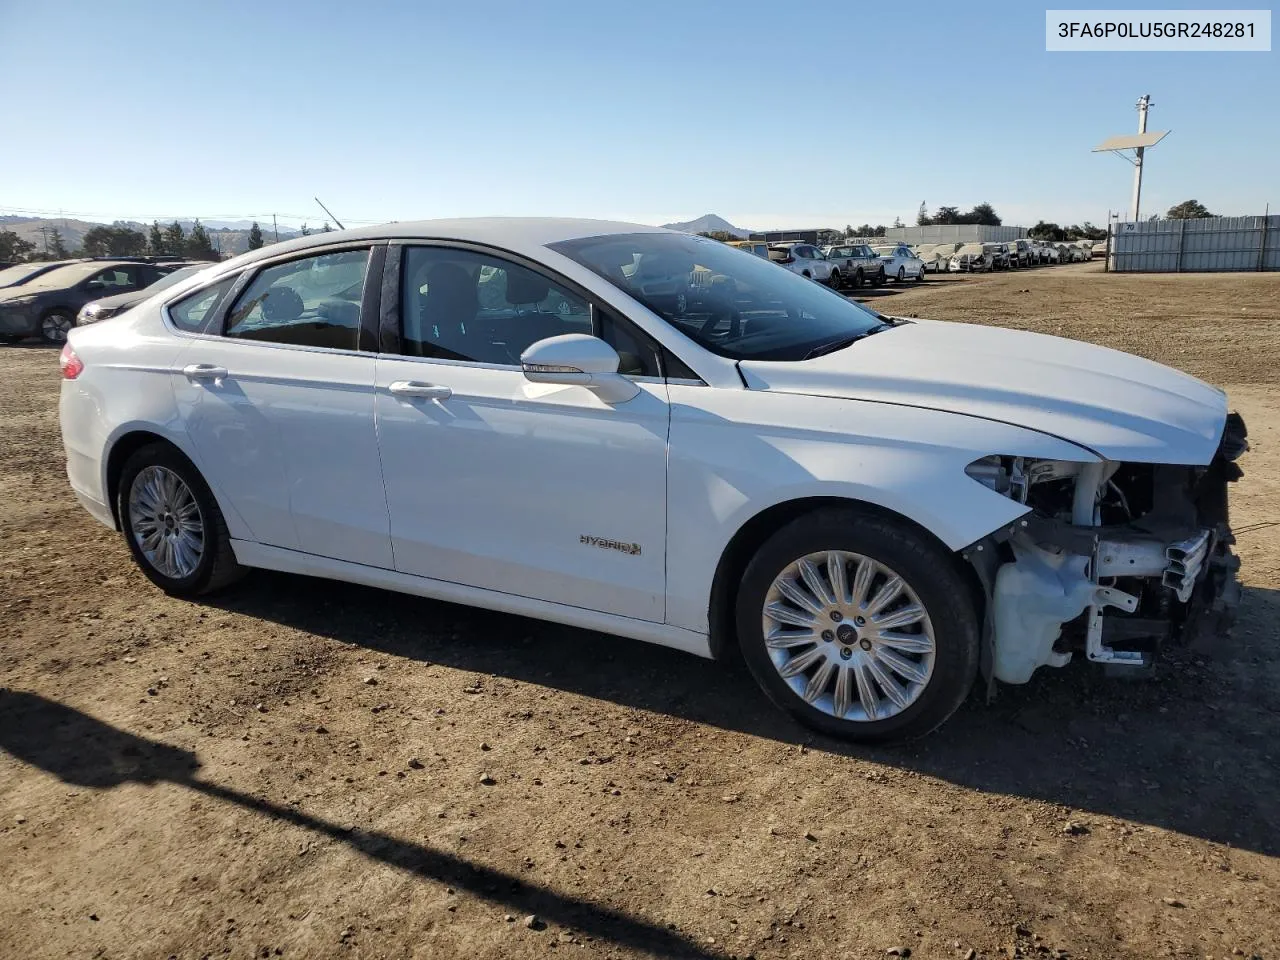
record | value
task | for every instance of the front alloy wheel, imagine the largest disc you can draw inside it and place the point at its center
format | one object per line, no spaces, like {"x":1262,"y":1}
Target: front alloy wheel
{"x":848,"y":636}
{"x":859,"y":624}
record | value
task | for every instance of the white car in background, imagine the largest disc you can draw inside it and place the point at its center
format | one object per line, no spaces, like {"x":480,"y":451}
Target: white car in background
{"x":551,"y":418}
{"x":900,"y":263}
{"x":934,"y":256}
{"x":806,"y":260}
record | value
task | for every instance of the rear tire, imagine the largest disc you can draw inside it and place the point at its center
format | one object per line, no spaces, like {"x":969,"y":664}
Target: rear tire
{"x":858,"y":280}
{"x":944,"y":638}
{"x":55,"y":325}
{"x":880,"y":278}
{"x":902,"y":274}
{"x":835,"y":280}
{"x":172,"y":524}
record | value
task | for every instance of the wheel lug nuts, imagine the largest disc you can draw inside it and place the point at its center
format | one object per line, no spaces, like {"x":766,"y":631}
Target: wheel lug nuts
{"x":845,"y":653}
{"x":836,"y":616}
{"x":828,"y":636}
{"x":860,"y":621}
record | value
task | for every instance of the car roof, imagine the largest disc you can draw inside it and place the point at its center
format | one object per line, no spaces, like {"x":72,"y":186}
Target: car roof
{"x":518,"y":234}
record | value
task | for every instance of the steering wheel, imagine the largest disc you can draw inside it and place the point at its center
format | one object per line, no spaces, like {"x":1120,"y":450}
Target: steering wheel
{"x":707,"y":330}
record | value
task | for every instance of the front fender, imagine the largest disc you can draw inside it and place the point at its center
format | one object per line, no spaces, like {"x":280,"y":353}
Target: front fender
{"x":736,"y":454}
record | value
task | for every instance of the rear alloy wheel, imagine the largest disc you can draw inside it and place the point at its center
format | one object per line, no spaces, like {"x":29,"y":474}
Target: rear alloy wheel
{"x":172,"y":524}
{"x":835,"y":280}
{"x":858,"y":626}
{"x":920,"y":275}
{"x":902,"y":274}
{"x":55,"y":326}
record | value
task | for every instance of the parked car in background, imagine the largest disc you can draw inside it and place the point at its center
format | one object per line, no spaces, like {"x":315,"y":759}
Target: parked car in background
{"x":934,"y":256}
{"x":998,"y":254}
{"x":857,"y":264}
{"x":1020,"y":253}
{"x":871,"y":512}
{"x":900,"y":263}
{"x":1100,"y":248}
{"x":1086,"y":249}
{"x":971,"y":258}
{"x":806,"y":260}
{"x":758,"y":247}
{"x":108,"y":307}
{"x":47,"y":305}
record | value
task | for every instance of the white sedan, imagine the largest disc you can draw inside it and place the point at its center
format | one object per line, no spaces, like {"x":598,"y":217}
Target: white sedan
{"x":654,"y":435}
{"x":900,"y":263}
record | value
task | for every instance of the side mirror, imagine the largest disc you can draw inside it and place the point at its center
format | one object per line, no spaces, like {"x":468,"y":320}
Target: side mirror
{"x":578,"y":359}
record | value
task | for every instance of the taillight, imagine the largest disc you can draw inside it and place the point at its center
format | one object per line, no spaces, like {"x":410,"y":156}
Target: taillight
{"x":71,"y":365}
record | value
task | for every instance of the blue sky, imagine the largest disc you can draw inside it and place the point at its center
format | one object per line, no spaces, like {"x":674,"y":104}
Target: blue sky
{"x":770,"y":114}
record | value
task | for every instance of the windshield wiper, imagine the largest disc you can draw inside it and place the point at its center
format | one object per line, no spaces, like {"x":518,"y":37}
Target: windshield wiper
{"x":824,"y":348}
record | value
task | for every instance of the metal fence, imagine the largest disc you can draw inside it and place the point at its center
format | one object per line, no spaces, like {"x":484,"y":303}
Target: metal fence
{"x":955,"y":233}
{"x":1196,"y":246}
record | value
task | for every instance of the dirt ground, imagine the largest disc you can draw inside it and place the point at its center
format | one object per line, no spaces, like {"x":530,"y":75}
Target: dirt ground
{"x":310,"y":769}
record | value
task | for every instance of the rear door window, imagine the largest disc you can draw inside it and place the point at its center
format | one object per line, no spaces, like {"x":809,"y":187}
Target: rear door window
{"x":312,"y":302}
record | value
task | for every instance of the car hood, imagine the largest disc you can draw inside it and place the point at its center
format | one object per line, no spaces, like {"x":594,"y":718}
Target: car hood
{"x":121,"y":301}
{"x":1117,"y":405}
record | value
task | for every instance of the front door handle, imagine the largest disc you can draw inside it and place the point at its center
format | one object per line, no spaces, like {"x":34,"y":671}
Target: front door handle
{"x":416,"y":388}
{"x":204,"y":371}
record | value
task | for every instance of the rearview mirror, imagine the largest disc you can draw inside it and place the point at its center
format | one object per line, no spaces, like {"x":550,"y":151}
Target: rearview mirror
{"x":581,"y":360}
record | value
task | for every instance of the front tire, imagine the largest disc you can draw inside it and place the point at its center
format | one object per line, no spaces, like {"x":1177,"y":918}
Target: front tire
{"x":902,"y":274}
{"x":858,"y":626}
{"x":835,"y":280}
{"x":172,"y":524}
{"x":880,"y":278}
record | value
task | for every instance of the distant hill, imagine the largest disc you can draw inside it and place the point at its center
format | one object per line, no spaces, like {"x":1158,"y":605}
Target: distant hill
{"x":709,"y":223}
{"x":230,"y":237}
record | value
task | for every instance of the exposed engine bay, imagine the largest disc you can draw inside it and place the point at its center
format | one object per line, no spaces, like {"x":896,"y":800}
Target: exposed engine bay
{"x":1114,"y":561}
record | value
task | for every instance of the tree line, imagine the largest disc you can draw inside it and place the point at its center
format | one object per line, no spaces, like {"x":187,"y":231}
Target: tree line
{"x":121,"y":240}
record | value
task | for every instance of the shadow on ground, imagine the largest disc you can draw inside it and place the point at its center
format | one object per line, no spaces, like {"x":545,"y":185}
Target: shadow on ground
{"x":81,"y":750}
{"x":1194,"y":749}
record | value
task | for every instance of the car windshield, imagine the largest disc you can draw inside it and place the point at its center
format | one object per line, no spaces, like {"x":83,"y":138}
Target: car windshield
{"x":11,"y":276}
{"x":734,"y":304}
{"x":841,"y":252}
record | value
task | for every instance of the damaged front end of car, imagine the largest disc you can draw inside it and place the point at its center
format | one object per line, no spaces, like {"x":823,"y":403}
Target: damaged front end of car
{"x":1113,"y":561}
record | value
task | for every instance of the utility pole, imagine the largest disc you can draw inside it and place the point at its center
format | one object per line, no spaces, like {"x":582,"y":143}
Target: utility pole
{"x":1143,"y":103}
{"x":275,"y":228}
{"x":1138,"y":144}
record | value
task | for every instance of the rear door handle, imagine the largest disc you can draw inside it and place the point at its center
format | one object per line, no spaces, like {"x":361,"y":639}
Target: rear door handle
{"x":416,"y":388}
{"x":204,"y":371}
